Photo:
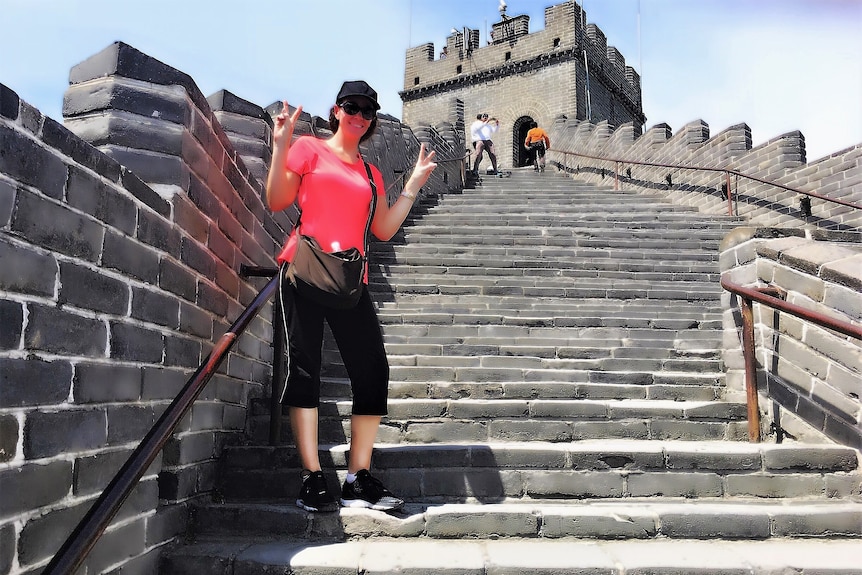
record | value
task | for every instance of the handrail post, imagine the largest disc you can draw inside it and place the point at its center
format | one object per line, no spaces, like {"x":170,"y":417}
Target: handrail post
{"x":729,"y":193}
{"x":750,"y":370}
{"x":616,"y":176}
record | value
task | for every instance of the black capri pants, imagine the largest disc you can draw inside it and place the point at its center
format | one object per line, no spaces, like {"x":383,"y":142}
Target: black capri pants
{"x":360,"y":341}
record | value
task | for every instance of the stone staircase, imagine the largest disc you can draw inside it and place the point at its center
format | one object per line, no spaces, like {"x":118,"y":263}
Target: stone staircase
{"x":557,"y":406}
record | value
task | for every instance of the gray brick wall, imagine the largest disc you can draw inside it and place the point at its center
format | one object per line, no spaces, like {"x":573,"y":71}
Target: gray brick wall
{"x":781,"y":160}
{"x":122,"y":233}
{"x":809,"y":378}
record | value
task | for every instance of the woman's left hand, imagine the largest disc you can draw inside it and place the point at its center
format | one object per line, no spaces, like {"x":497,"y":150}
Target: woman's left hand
{"x":424,"y":166}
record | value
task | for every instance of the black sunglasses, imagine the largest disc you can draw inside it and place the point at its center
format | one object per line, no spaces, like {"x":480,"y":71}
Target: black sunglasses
{"x":352,"y":108}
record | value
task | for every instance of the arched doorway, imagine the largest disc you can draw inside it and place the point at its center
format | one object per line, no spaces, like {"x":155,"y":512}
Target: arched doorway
{"x":520,"y":155}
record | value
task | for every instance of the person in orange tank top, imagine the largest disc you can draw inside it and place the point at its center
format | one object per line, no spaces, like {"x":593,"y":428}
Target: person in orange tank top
{"x":537,"y":141}
{"x":328,"y":180}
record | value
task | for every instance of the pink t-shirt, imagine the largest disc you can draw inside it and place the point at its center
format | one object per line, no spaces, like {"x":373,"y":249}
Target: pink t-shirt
{"x":334,"y":196}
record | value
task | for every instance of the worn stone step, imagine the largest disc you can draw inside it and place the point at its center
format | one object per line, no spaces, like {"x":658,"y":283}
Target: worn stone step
{"x":515,"y":556}
{"x":634,"y":519}
{"x":530,"y":420}
{"x":589,"y":469}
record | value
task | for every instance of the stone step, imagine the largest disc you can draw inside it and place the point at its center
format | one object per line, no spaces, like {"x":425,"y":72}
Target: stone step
{"x":590,"y":469}
{"x":418,"y":420}
{"x":515,"y":556}
{"x":399,"y":269}
{"x":550,"y":520}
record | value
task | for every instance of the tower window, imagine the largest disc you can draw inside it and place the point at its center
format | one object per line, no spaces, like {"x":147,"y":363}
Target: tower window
{"x":508,"y":56}
{"x":416,"y":81}
{"x":458,"y":70}
{"x":556,"y":42}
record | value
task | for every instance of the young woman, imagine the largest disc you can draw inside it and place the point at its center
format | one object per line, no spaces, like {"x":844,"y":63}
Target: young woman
{"x":329,"y":181}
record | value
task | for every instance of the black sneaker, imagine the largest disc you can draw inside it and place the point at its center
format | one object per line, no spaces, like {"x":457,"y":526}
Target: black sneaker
{"x":314,"y":496}
{"x":368,"y":492}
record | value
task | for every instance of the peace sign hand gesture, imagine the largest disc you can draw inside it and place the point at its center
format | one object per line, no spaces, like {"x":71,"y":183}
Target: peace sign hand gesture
{"x":285,"y":123}
{"x":424,"y":166}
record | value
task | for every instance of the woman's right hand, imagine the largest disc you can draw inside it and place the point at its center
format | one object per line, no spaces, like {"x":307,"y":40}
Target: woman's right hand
{"x":282,"y":185}
{"x":285,"y":123}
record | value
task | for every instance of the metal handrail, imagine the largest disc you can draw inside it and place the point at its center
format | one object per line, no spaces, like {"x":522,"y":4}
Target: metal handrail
{"x":85,"y":535}
{"x":771,"y":297}
{"x":726,"y":171}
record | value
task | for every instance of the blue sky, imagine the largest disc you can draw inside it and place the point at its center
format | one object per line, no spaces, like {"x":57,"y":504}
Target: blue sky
{"x":777,"y":65}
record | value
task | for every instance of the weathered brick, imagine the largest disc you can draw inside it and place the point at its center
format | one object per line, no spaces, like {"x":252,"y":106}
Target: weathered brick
{"x":124,"y":254}
{"x":752,"y":525}
{"x":105,"y":383}
{"x":188,"y":217}
{"x":150,"y":167}
{"x":177,"y":279}
{"x":31,"y":382}
{"x":134,"y":343}
{"x":163,"y":383}
{"x":7,"y":203}
{"x":25,"y":160}
{"x":195,"y":321}
{"x":48,"y":433}
{"x":129,"y":423}
{"x":59,"y":137}
{"x":7,"y":531}
{"x":12,"y":320}
{"x":92,"y":196}
{"x":57,"y":228}
{"x":27,"y":272}
{"x":31,"y":486}
{"x":155,"y":307}
{"x":8,"y":438}
{"x":94,"y":472}
{"x":198,"y":258}
{"x":58,"y":331}
{"x":157,"y":232}
{"x":42,"y":535}
{"x":133,"y":184}
{"x":9,"y":103}
{"x":212,"y":299}
{"x":189,"y":448}
{"x":182,"y":351}
{"x":89,"y":289}
{"x":117,"y":544}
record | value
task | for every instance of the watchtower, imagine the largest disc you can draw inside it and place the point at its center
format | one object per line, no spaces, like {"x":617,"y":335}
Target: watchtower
{"x":566,"y":70}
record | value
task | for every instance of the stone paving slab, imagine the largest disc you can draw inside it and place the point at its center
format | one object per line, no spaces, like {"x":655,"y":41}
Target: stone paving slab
{"x":521,"y":557}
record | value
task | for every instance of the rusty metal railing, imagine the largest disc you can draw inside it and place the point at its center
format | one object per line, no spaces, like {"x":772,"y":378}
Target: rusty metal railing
{"x":773,"y":298}
{"x":618,"y":162}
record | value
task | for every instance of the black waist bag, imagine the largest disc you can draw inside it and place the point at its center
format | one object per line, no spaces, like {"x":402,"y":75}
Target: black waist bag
{"x":330,"y":279}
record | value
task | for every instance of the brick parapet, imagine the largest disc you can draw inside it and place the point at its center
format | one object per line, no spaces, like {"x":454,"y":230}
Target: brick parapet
{"x":781,"y":160}
{"x":808,"y":377}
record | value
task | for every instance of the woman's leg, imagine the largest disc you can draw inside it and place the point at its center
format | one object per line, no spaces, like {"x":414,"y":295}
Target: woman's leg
{"x":303,"y":423}
{"x":363,"y":433}
{"x":304,"y":323}
{"x":360,"y":341}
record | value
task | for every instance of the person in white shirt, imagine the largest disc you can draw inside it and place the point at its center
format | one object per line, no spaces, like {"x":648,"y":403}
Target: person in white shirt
{"x":480,"y":132}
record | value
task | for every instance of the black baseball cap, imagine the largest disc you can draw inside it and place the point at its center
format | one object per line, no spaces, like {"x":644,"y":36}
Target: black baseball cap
{"x":357,"y":88}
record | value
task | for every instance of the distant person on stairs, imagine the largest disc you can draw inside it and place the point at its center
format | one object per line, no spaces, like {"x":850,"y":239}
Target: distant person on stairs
{"x":537,"y":141}
{"x":329,"y":181}
{"x":480,"y":132}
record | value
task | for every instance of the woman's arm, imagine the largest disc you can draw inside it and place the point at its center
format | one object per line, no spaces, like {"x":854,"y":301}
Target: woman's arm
{"x":388,"y":219}
{"x":281,"y":183}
